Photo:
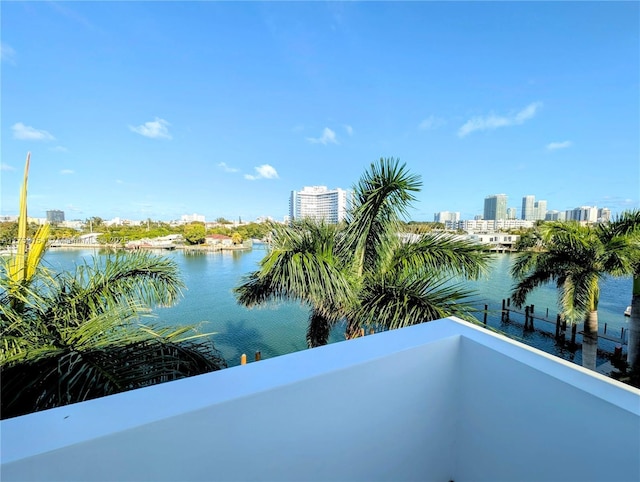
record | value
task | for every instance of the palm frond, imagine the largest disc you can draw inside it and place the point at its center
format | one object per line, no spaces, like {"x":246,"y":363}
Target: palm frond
{"x":382,"y":198}
{"x":442,"y":253}
{"x":396,"y":302}
{"x":303,"y":266}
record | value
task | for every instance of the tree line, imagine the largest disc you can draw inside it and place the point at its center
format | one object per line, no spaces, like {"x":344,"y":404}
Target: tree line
{"x":193,"y":233}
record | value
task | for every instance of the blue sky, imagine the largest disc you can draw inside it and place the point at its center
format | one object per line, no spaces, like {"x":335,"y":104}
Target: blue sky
{"x":153,"y":110}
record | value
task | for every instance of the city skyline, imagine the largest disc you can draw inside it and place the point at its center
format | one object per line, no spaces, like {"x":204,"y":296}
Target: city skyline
{"x":152,"y":110}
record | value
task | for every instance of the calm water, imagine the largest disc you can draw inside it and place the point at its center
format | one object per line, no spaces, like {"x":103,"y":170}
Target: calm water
{"x":281,"y":328}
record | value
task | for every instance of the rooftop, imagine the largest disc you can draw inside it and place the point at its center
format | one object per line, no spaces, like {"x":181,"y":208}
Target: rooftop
{"x":440,"y":401}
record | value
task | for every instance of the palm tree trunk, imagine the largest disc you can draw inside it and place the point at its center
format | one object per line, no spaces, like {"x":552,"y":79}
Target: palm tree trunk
{"x":633,"y":350}
{"x":590,"y":340}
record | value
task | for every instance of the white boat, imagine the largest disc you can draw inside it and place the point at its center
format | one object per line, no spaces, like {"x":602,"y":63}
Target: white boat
{"x":627,"y":312}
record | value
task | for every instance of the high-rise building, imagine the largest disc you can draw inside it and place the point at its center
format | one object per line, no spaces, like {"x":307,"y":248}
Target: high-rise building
{"x":320,"y":203}
{"x":444,"y":216}
{"x":539,"y":210}
{"x":604,"y":215}
{"x":511,"y":213}
{"x":55,"y":216}
{"x":528,"y":206}
{"x":495,"y":207}
{"x":586,"y":214}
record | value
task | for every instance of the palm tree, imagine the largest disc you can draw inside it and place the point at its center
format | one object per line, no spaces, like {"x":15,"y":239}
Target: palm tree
{"x":628,"y":224}
{"x":575,"y":257}
{"x":76,"y":336}
{"x":362,"y":270}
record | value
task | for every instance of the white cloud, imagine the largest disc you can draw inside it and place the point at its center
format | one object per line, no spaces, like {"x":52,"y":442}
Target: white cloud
{"x":28,"y":133}
{"x":552,"y":146}
{"x":431,"y":122}
{"x":328,"y":136}
{"x":349,"y":129}
{"x":155,"y":129}
{"x":7,"y":54}
{"x":225,"y":168}
{"x":264,"y":171}
{"x":493,"y":121}
{"x":67,"y":171}
{"x":6,"y":167}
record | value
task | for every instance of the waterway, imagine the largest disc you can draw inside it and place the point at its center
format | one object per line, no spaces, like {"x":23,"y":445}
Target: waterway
{"x":280,"y":328}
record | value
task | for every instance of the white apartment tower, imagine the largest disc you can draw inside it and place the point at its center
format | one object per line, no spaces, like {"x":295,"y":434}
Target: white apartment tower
{"x":528,"y":206}
{"x":540,"y":210}
{"x":320,"y":203}
{"x":446,"y":216}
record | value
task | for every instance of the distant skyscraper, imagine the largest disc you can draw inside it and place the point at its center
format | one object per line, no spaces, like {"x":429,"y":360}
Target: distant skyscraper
{"x":444,"y":216}
{"x":604,"y":215}
{"x":55,"y":216}
{"x":495,"y":207}
{"x":539,"y":210}
{"x":511,"y":213}
{"x":320,"y":203}
{"x":588,"y":214}
{"x":528,"y":206}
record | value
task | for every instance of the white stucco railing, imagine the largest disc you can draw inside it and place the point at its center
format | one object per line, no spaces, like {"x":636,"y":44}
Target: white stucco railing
{"x":440,"y":401}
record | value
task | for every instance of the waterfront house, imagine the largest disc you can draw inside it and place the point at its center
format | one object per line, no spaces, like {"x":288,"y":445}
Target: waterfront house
{"x":441,"y":401}
{"x":218,"y":240}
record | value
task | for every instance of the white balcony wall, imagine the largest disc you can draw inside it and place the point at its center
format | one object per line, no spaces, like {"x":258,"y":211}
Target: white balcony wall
{"x":440,"y":401}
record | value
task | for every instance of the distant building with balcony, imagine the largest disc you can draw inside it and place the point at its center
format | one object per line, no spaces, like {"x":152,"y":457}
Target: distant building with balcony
{"x":488,"y":226}
{"x":55,"y":216}
{"x":320,"y":203}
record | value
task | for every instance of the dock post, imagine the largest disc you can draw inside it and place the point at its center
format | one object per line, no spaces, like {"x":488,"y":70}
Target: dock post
{"x":372,"y":331}
{"x":243,"y":359}
{"x":486,"y":308}
{"x":258,"y":356}
{"x":547,"y":313}
{"x":508,"y":302}
{"x":361,"y":331}
{"x":504,"y":309}
{"x":531,"y":310}
{"x":526,"y":318}
{"x":531,"y":327}
{"x":605,"y":328}
{"x":574,"y":329}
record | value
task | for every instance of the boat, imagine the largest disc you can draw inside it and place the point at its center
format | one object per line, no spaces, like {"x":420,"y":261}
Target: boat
{"x":627,"y":312}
